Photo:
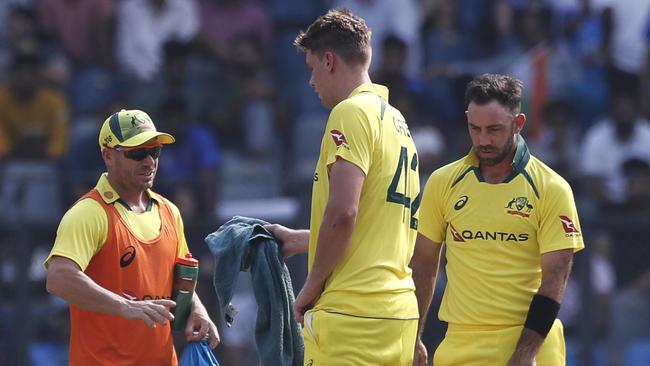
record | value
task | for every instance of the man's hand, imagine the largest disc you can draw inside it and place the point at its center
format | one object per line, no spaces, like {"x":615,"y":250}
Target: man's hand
{"x":306,"y":299}
{"x":199,"y":326}
{"x":292,"y":241}
{"x":149,"y":311}
{"x":421,"y":356}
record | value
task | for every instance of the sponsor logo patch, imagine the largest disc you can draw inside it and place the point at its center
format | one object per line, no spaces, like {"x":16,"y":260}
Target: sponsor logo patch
{"x":496,"y":236}
{"x":568,"y":225}
{"x":455,"y":233}
{"x":339,"y":138}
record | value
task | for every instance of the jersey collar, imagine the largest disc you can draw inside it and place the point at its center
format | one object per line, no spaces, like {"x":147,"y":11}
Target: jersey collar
{"x":381,"y":90}
{"x":108,"y":193}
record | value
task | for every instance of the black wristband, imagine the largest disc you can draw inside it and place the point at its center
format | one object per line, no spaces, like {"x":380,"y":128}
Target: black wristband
{"x":541,"y":314}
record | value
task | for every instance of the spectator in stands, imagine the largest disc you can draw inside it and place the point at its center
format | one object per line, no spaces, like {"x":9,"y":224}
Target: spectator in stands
{"x":558,"y":141}
{"x":625,"y":23}
{"x":33,"y":138}
{"x":19,"y":34}
{"x":406,"y":94}
{"x":190,"y":170}
{"x":81,"y":27}
{"x":24,"y":34}
{"x":33,"y":118}
{"x":225,"y":21}
{"x":622,"y":135}
{"x":637,"y":176}
{"x":581,"y":24}
{"x":248,"y":122}
{"x":143,"y":27}
{"x":384,"y":17}
{"x":544,"y":65}
{"x":602,"y":278}
{"x":178,"y":79}
{"x":629,"y":316}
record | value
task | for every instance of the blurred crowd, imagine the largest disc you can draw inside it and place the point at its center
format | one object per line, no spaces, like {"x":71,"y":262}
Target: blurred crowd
{"x":223,"y":77}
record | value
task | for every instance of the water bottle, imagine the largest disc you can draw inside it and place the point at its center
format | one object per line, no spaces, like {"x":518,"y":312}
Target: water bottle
{"x":186,"y":272}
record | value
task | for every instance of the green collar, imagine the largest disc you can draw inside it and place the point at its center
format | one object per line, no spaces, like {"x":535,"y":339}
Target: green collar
{"x":522,"y":156}
{"x":519,"y":163}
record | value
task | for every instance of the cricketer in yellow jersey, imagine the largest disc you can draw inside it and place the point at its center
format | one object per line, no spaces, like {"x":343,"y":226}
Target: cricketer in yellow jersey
{"x":358,"y":305}
{"x":510,"y":228}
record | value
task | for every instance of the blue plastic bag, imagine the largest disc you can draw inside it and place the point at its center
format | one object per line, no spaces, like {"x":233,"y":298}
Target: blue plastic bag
{"x":198,"y":354}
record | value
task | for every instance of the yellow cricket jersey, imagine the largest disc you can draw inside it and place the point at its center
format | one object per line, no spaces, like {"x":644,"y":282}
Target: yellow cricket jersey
{"x":373,"y":278}
{"x":495,"y":235}
{"x":84,"y":227}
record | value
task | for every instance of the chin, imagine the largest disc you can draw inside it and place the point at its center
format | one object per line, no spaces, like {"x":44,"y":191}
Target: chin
{"x":147,"y":184}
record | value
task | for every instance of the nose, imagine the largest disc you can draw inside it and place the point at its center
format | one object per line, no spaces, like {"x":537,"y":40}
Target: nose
{"x":484,"y":138}
{"x":148,"y":161}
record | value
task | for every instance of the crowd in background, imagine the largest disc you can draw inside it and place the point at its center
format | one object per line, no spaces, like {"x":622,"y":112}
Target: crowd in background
{"x":223,"y":77}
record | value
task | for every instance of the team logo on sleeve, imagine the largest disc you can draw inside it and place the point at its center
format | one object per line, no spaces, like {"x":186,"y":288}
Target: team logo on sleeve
{"x":568,"y":225}
{"x":339,"y":138}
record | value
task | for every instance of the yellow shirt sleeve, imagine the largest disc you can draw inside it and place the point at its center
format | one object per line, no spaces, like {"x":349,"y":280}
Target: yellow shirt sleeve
{"x":182,"y":242}
{"x":559,"y":225}
{"x":349,"y":136}
{"x":432,"y":219}
{"x":81,"y":233}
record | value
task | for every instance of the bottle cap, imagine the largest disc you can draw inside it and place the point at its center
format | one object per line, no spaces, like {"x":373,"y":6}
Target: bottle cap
{"x":188,"y":260}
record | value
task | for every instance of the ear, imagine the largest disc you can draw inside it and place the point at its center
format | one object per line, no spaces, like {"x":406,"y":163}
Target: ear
{"x":107,"y":156}
{"x":328,"y":60}
{"x":520,"y":120}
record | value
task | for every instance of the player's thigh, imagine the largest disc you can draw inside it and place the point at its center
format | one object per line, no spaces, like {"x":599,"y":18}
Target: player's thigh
{"x":463,"y":347}
{"x":408,"y":330}
{"x":551,"y":353}
{"x":335,"y":339}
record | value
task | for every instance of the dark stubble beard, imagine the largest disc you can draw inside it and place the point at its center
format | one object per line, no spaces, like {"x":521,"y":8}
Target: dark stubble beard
{"x":502,"y":154}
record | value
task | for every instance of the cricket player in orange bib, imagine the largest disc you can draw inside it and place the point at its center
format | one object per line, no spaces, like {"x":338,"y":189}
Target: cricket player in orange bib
{"x":358,"y":304}
{"x":114,"y":255}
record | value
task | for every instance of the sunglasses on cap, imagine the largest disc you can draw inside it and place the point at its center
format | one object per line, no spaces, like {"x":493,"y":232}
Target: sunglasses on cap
{"x":139,"y":153}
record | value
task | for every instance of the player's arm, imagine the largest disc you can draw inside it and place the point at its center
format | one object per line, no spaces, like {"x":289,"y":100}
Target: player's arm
{"x":556,"y":266}
{"x":339,"y":219}
{"x":199,"y":325}
{"x":424,"y":263}
{"x":291,"y":241}
{"x":66,"y":280}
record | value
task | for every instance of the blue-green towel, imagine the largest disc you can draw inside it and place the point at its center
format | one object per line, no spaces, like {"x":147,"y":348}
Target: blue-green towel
{"x":242,"y":244}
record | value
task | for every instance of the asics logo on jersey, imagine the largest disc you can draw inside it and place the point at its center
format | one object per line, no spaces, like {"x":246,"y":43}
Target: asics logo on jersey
{"x":568,"y":225}
{"x":461,"y":202}
{"x":339,"y":138}
{"x":310,"y":363}
{"x":127,"y":257}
